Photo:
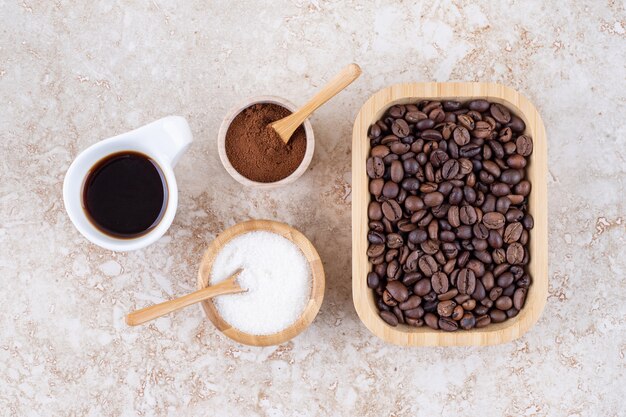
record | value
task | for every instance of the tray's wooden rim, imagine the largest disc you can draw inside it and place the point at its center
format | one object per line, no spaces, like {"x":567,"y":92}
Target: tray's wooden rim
{"x":317,"y":288}
{"x":537,"y":171}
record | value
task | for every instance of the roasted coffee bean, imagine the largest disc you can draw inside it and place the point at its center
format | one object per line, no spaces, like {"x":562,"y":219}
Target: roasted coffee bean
{"x":445,"y":308}
{"x":400,"y":128}
{"x":494,"y":220}
{"x":398,"y":291}
{"x":468,"y":321}
{"x":450,"y":169}
{"x":373,"y":280}
{"x":500,"y":189}
{"x":469,"y":304}
{"x":516,"y":161}
{"x":467,"y":214}
{"x":528,"y":222}
{"x":389,"y":318}
{"x":500,"y":113}
{"x":497,"y":316}
{"x":448,"y":324}
{"x":397,"y":171}
{"x":392,"y":210}
{"x":515,"y":253}
{"x":418,"y":236}
{"x":457,"y":313}
{"x":504,"y":303}
{"x":390,"y":189}
{"x":482,"y":321}
{"x":428,"y":266}
{"x":448,"y":295}
{"x":375,"y":250}
{"x":376,"y":237}
{"x":513,"y":232}
{"x":479,"y":105}
{"x":389,"y":300}
{"x":433,"y":199}
{"x":431,"y":321}
{"x":524,"y":145}
{"x":516,"y":124}
{"x":439,"y":281}
{"x":375,"y":167}
{"x":466,"y":281}
{"x":519,"y":297}
{"x":422,"y":287}
{"x":394,"y":240}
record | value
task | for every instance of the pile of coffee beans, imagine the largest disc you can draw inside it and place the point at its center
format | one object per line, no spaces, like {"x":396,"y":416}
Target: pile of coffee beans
{"x":448,"y":219}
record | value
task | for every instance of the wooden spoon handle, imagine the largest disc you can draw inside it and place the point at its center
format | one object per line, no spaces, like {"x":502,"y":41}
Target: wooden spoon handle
{"x":228,"y":286}
{"x":290,"y":123}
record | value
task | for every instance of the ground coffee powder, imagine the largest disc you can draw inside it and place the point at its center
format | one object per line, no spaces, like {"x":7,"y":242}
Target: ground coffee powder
{"x":256,"y":151}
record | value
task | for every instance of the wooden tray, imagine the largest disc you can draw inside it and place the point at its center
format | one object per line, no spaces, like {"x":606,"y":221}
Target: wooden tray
{"x":363,"y":296}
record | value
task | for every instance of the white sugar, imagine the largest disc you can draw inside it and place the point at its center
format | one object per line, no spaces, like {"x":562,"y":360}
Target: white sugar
{"x":277,"y":276}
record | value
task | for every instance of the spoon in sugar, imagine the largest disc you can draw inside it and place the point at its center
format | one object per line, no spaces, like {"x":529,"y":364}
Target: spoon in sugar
{"x":287,"y":125}
{"x":228,"y":286}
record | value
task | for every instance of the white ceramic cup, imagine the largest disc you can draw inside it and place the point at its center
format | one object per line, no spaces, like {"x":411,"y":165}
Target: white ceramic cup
{"x":164,"y":141}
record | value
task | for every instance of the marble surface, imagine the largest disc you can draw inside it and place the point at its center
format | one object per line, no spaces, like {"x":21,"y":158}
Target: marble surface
{"x":74,"y":72}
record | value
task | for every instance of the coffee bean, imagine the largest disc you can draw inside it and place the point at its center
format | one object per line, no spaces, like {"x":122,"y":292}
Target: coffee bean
{"x":479,"y":105}
{"x":482,"y":321}
{"x":445,"y":308}
{"x":481,"y":130}
{"x":448,"y":295}
{"x":422,"y":287}
{"x":519,"y":297}
{"x":392,"y":210}
{"x":431,"y":321}
{"x":397,"y":290}
{"x":447,"y":324}
{"x":388,"y":299}
{"x":433,"y":199}
{"x":466,"y":281}
{"x":375,"y":167}
{"x":500,"y":113}
{"x":466,"y":121}
{"x":373,"y":280}
{"x":450,"y":169}
{"x":515,"y":253}
{"x":439,"y":280}
{"x":513,"y":232}
{"x":524,"y":145}
{"x":504,"y":303}
{"x":497,"y":316}
{"x":516,"y":124}
{"x":397,"y":171}
{"x":468,"y":321}
{"x":400,"y":128}
{"x":494,"y":220}
{"x":467,"y":215}
{"x":427,"y":265}
{"x":389,"y":318}
{"x":516,"y":161}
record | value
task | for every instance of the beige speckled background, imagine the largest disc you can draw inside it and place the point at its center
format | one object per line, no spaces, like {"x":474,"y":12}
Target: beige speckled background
{"x":73,"y":72}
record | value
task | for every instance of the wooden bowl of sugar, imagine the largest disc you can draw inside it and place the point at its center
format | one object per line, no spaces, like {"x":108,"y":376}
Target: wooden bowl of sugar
{"x":283,"y":275}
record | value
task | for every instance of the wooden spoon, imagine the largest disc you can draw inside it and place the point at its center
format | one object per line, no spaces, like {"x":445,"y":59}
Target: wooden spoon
{"x":287,"y":125}
{"x":228,"y":286}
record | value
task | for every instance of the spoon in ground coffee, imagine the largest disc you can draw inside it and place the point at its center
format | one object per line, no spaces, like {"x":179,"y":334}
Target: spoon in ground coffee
{"x":287,"y":125}
{"x":228,"y":286}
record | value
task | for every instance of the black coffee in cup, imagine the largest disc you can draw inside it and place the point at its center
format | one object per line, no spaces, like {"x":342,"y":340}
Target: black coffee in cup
{"x":125,"y":194}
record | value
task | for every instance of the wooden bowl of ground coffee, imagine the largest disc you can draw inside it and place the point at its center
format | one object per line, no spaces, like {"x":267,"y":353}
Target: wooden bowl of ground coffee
{"x":253,"y":153}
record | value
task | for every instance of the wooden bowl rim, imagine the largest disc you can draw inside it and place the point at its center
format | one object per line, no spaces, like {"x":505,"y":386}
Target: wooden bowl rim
{"x":221,"y":143}
{"x":317,"y":286}
{"x":538,"y":266}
